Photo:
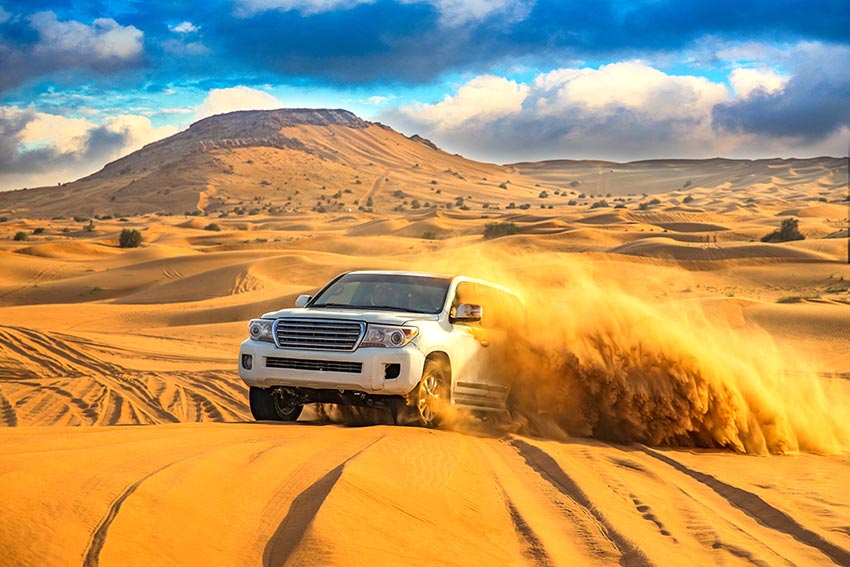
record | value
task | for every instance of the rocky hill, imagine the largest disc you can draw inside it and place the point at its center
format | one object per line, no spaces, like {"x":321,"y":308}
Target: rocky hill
{"x":330,"y":161}
{"x":288,"y":160}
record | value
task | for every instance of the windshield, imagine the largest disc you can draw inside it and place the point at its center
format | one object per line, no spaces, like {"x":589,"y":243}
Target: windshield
{"x":389,"y":292}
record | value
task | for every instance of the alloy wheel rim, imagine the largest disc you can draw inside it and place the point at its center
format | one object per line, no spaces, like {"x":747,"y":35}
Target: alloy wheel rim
{"x":429,"y":396}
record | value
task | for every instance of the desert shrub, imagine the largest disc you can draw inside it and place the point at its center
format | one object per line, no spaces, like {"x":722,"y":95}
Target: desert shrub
{"x":688,"y":199}
{"x":543,"y":195}
{"x":647,"y":204}
{"x":687,"y":184}
{"x":130,"y":238}
{"x":600,"y":204}
{"x":39,"y":230}
{"x":212,"y":226}
{"x":572,"y":202}
{"x":4,"y":219}
{"x":21,"y":236}
{"x":497,"y":229}
{"x":788,"y":231}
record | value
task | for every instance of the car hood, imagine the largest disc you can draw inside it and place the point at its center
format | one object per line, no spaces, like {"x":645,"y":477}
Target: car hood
{"x":378,"y":317}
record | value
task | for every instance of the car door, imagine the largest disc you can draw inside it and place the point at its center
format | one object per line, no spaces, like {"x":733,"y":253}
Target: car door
{"x":477,"y":382}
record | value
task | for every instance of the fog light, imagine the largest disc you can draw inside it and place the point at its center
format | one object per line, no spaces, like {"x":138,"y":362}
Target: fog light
{"x":391,"y":371}
{"x":247,"y":361}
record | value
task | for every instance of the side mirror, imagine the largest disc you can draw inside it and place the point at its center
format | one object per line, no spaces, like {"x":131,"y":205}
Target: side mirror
{"x":303,"y":300}
{"x":468,"y":313}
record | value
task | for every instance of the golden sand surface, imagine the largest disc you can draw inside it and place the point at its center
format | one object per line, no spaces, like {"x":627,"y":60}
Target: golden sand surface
{"x":692,"y":384}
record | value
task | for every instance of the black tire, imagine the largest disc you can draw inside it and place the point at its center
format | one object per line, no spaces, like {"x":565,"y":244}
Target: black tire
{"x":426,"y":402}
{"x":266,"y":406}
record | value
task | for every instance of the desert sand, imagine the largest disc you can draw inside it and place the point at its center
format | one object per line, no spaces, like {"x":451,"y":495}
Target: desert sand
{"x":687,"y":385}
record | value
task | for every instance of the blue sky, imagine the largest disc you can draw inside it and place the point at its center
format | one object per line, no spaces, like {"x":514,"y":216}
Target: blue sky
{"x":85,"y":81}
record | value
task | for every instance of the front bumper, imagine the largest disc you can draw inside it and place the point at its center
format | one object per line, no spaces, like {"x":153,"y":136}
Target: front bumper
{"x":321,"y":369}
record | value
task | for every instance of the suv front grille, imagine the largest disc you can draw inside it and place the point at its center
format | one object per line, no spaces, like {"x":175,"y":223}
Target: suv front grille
{"x":318,"y":334}
{"x":317,"y":365}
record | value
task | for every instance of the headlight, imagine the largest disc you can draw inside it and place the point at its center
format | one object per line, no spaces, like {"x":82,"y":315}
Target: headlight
{"x":261,"y":330}
{"x":388,"y":336}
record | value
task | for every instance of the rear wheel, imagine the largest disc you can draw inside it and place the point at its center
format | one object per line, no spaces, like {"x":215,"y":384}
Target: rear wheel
{"x":267,"y":405}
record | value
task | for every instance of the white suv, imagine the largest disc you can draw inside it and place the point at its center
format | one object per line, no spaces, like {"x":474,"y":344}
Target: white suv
{"x":405,"y":342}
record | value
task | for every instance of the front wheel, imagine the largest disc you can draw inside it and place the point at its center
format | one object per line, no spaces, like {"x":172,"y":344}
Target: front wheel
{"x":266,"y":405}
{"x":426,"y":404}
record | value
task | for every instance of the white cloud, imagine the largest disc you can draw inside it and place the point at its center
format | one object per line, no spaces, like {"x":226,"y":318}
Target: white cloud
{"x":137,"y":131}
{"x":104,"y":40}
{"x":185,"y":47}
{"x":66,"y":135}
{"x":4,"y":15}
{"x":452,"y":12}
{"x":174,"y":110}
{"x":458,"y":12}
{"x":622,"y":110}
{"x":44,"y":149}
{"x":184,"y":27}
{"x":251,"y":7}
{"x":483,"y":99}
{"x":219,"y":101}
{"x":628,"y":85}
{"x":747,"y":81}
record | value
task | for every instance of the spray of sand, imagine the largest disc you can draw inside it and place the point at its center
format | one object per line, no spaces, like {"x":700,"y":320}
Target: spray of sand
{"x":597,"y":359}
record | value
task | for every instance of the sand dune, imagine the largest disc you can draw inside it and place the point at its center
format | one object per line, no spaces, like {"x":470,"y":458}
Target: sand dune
{"x":225,"y":494}
{"x":665,"y":340}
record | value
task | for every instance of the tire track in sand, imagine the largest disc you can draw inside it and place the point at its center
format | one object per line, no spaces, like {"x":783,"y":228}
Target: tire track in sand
{"x":759,"y":510}
{"x":98,"y":539}
{"x":542,"y":463}
{"x":289,"y":533}
{"x":7,"y":411}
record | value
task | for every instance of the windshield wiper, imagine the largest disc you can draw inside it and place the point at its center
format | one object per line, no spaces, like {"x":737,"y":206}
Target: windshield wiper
{"x":388,"y":308}
{"x":346,"y":305}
